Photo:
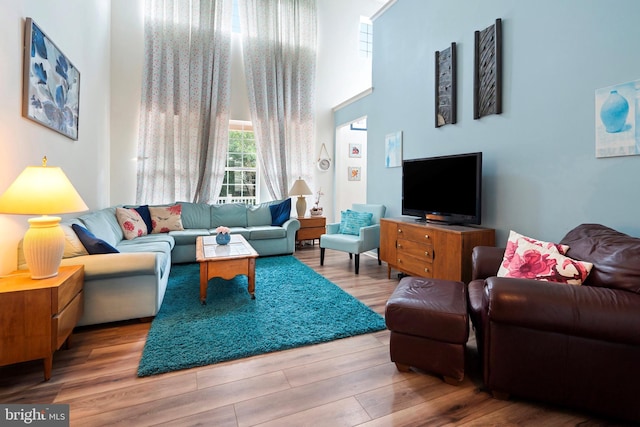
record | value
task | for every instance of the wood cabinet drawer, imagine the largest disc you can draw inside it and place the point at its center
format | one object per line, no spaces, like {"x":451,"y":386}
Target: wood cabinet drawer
{"x":415,"y":234}
{"x":310,"y":233}
{"x":312,"y":222}
{"x":67,"y":291}
{"x":414,"y":266}
{"x":418,"y":250}
{"x":64,"y":322}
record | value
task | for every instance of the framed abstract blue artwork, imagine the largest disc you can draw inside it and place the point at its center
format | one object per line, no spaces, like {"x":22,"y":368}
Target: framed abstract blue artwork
{"x":51,"y":91}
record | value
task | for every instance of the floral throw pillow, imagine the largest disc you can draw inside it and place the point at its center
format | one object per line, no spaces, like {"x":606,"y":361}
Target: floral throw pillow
{"x":131,"y":223}
{"x":166,"y":218}
{"x":532,"y":261}
{"x":512,"y":245}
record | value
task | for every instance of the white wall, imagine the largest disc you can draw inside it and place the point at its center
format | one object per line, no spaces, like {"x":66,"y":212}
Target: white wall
{"x":341,"y":74}
{"x":349,"y":192}
{"x":127,"y":60}
{"x":81,"y":30}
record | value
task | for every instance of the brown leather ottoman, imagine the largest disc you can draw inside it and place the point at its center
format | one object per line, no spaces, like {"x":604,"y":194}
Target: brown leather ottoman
{"x":429,"y":326}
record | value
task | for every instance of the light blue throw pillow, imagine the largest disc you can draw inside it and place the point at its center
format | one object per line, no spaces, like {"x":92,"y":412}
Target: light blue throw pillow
{"x":354,"y":221}
{"x":343,"y":220}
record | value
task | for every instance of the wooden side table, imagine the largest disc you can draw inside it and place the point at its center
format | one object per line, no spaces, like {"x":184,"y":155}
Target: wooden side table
{"x":38,"y":316}
{"x":311,"y":228}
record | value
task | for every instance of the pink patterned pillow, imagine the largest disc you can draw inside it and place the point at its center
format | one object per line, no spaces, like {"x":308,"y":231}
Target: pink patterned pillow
{"x":166,"y":218}
{"x":532,"y":261}
{"x":131,"y":223}
{"x":512,"y":245}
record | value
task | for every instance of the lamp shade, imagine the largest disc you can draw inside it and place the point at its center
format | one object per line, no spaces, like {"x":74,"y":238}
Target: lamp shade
{"x":299,"y":188}
{"x":41,"y":190}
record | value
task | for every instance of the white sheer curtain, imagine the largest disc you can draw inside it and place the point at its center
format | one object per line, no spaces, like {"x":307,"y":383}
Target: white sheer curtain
{"x":184,"y":119}
{"x":279,"y":48}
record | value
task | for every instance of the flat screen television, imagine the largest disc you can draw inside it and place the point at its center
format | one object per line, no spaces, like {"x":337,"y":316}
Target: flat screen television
{"x":445,"y":189}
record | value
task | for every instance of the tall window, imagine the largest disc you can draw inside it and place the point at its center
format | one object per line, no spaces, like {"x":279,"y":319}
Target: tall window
{"x":240,"y":184}
{"x":365,"y":46}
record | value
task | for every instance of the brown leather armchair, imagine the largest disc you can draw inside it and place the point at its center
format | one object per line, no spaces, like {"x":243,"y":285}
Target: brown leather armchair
{"x":577,"y":346}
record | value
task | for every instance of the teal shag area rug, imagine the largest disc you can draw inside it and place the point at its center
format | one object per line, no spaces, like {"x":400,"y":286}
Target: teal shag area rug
{"x":294,"y":307}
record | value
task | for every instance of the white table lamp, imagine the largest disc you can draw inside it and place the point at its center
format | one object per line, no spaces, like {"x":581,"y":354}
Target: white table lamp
{"x":42,"y":190}
{"x":300,"y":189}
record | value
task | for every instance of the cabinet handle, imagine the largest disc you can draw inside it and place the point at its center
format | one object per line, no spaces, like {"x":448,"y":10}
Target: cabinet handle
{"x":399,"y":230}
{"x":426,"y":253}
{"x":426,"y":270}
{"x":400,"y":245}
{"x":399,"y":261}
{"x":426,"y":236}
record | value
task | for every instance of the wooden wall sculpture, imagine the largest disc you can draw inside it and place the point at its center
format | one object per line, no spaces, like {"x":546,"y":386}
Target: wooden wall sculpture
{"x":446,"y":86}
{"x":487,"y":81}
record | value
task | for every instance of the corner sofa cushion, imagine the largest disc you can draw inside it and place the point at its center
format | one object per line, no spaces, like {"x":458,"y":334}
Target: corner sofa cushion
{"x":229,"y":215}
{"x":262,"y":232}
{"x":104,"y":225}
{"x":166,"y":218}
{"x":614,"y":256}
{"x":196,"y":215}
{"x":260,"y":214}
{"x":73,"y":246}
{"x":280,"y":212}
{"x":131,"y":223}
{"x":188,"y":236}
{"x":93,"y":244}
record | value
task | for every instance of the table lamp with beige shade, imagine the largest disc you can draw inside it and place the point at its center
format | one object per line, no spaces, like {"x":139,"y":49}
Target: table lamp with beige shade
{"x":42,"y":190}
{"x":300,"y":189}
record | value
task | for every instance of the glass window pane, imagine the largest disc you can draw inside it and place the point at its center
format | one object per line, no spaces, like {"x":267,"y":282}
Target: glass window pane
{"x":249,"y":161}
{"x":249,"y":143}
{"x":249,"y":190}
{"x":249,"y":177}
{"x":235,"y":160}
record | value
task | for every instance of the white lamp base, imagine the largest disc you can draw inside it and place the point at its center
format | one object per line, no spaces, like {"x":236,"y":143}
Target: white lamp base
{"x":44,"y":246}
{"x":301,"y":206}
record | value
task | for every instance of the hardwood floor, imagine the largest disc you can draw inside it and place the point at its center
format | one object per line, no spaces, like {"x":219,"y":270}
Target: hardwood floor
{"x":346,"y":382}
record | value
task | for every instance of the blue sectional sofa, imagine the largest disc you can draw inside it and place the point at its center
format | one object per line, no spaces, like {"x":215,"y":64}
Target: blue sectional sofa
{"x":131,"y":284}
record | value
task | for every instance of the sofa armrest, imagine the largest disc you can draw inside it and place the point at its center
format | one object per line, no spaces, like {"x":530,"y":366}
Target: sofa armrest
{"x":117,"y":265}
{"x":291,"y":225}
{"x":586,"y":311}
{"x":332,"y":228}
{"x":485,"y":261}
{"x":370,"y":236}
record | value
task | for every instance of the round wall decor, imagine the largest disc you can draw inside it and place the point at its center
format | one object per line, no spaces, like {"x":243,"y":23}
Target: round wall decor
{"x":324,"y":163}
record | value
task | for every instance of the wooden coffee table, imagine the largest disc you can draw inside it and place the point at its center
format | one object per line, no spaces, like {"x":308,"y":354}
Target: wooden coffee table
{"x":225,"y":261}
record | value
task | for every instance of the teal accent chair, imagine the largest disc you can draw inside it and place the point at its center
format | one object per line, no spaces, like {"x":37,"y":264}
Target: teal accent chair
{"x":368,"y":238}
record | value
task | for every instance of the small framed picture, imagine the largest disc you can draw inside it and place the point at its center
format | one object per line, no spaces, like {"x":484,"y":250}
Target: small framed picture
{"x":393,"y":150}
{"x":354,"y":173}
{"x":355,"y":150}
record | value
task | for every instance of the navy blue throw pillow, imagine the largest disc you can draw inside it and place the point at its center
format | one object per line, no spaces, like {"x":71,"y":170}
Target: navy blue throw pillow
{"x":146,"y":216}
{"x":92,"y":244}
{"x":280,"y":212}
